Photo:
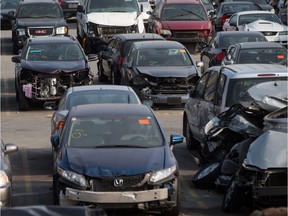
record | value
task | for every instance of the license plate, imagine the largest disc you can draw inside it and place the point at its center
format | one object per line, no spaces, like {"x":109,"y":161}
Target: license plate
{"x":72,"y":5}
{"x":174,"y":100}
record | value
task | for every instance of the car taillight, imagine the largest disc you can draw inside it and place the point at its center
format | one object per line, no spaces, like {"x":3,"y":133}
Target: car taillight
{"x":121,"y":60}
{"x":220,"y":56}
{"x":60,"y":124}
{"x":60,"y":2}
{"x":223,"y":19}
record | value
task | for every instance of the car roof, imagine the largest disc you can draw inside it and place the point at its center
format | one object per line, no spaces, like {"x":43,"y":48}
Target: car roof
{"x":182,"y":2}
{"x":158,"y":44}
{"x":99,"y":87}
{"x":110,"y":109}
{"x":259,"y":44}
{"x":53,"y":39}
{"x":254,"y":12}
{"x":38,"y":1}
{"x":239,"y":33}
{"x":136,"y":36}
{"x":254,"y":70}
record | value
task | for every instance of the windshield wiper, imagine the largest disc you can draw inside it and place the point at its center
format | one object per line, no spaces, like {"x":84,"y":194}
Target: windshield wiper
{"x":191,"y":12}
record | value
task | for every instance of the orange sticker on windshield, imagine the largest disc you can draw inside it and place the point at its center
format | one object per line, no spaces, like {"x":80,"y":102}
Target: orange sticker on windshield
{"x":182,"y":50}
{"x":280,"y":56}
{"x":144,"y":121}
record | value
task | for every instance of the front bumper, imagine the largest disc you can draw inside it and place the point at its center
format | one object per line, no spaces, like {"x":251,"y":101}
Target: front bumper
{"x":175,"y":99}
{"x":124,"y":197}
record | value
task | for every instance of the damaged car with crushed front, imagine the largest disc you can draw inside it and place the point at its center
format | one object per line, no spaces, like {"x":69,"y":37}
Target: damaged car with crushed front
{"x":116,"y":158}
{"x":162,"y":72}
{"x":47,"y":66}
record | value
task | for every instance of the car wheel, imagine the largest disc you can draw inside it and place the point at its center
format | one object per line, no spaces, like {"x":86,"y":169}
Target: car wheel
{"x":56,"y":190}
{"x":206,"y":176}
{"x":233,"y":198}
{"x":175,"y":210}
{"x":23,"y":102}
{"x":101,"y":76}
{"x":191,"y":142}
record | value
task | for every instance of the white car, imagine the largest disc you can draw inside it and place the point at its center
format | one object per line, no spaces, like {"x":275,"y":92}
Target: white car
{"x":262,"y":21}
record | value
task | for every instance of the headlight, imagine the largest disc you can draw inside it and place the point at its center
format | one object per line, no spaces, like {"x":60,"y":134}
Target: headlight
{"x":165,"y":32}
{"x":283,"y":33}
{"x":162,"y":174}
{"x":4,"y":180}
{"x":72,"y":177}
{"x":20,"y":32}
{"x":61,"y":30}
{"x":272,"y":10}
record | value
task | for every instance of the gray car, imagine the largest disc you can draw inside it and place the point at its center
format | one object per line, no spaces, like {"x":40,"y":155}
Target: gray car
{"x":6,"y":174}
{"x":221,"y":87}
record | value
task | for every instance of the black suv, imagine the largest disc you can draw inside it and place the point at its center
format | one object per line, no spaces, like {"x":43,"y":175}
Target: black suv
{"x":36,"y":18}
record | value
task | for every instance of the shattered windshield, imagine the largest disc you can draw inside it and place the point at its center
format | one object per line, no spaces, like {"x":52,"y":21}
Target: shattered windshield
{"x":112,"y":132}
{"x":113,"y":6}
{"x":179,"y":12}
{"x":39,"y":10}
{"x":270,"y":86}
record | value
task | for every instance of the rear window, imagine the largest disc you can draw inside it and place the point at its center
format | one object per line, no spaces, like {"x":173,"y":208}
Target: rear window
{"x":226,"y":41}
{"x":231,"y":9}
{"x":237,"y":88}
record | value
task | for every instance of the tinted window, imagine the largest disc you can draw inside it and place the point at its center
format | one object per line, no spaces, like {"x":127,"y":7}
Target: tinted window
{"x":39,"y":10}
{"x":102,"y":6}
{"x":211,"y":86}
{"x":9,"y":4}
{"x":237,"y":7}
{"x":227,"y":40}
{"x":199,"y":90}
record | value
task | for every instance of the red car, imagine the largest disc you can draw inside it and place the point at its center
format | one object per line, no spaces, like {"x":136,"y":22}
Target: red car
{"x":181,"y":20}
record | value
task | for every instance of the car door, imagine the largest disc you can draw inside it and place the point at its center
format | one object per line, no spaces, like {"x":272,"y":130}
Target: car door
{"x":230,"y":56}
{"x":107,"y":57}
{"x":208,"y":53}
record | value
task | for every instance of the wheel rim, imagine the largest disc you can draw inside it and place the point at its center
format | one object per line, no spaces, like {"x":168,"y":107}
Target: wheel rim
{"x":208,"y":170}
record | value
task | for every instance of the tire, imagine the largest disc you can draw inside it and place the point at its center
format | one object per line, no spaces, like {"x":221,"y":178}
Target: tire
{"x":56,"y":190}
{"x":206,"y":176}
{"x":23,"y":102}
{"x":233,"y":198}
{"x":191,"y":142}
{"x":176,"y":210}
{"x":101,"y":76}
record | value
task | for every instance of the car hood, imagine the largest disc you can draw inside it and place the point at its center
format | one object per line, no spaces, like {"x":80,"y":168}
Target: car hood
{"x":33,"y":22}
{"x":114,"y":161}
{"x":113,"y":19}
{"x":48,"y":67}
{"x":264,"y":25}
{"x":268,"y":151}
{"x":186,"y":25}
{"x":184,"y":71}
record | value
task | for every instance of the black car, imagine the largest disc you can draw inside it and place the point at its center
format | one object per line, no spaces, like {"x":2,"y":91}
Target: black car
{"x":257,"y":53}
{"x":5,"y":7}
{"x":113,"y":55}
{"x":226,"y":9}
{"x":47,"y":66}
{"x":160,"y":71}
{"x":36,"y":18}
{"x":213,"y":53}
{"x":116,"y":158}
{"x":263,"y":4}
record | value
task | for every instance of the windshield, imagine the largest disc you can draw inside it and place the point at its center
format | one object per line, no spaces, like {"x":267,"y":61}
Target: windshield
{"x":238,"y":88}
{"x":112,"y":132}
{"x":39,"y":10}
{"x":113,"y":6}
{"x":263,"y":55}
{"x":9,"y":4}
{"x":231,"y":9}
{"x":226,"y":41}
{"x":54,"y":52}
{"x":248,"y":18}
{"x":184,"y":12}
{"x":163,"y":57}
{"x":100,"y":96}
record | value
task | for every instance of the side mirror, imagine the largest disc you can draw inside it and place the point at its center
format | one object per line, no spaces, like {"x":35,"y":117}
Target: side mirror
{"x":175,"y":139}
{"x":199,"y":64}
{"x":10,"y":148}
{"x":92,"y":57}
{"x":11,"y":15}
{"x":50,"y":105}
{"x":55,"y":140}
{"x":16,"y":59}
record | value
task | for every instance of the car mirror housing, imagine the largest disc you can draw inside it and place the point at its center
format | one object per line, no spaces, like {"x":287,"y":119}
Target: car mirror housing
{"x":175,"y":139}
{"x":16,"y":59}
{"x":55,"y":140}
{"x":92,"y":57}
{"x":10,"y":148}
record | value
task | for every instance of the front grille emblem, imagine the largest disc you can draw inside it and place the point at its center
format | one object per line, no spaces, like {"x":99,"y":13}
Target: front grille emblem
{"x":118,"y":183}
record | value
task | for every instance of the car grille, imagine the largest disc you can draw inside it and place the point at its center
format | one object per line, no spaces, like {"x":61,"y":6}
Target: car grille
{"x":41,"y":31}
{"x":269,"y":33}
{"x":276,"y":179}
{"x":112,"y":30}
{"x":122,"y":183}
{"x":185,"y":34}
{"x":172,"y":86}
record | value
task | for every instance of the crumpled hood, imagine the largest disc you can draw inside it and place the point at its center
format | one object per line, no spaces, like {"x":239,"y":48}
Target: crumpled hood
{"x":184,"y":71}
{"x":268,"y":151}
{"x":264,"y":26}
{"x":113,"y":18}
{"x":114,"y":161}
{"x":186,"y":25}
{"x":30,"y":22}
{"x":48,"y":67}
